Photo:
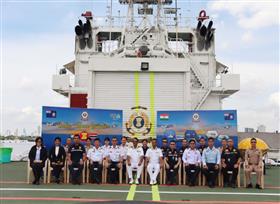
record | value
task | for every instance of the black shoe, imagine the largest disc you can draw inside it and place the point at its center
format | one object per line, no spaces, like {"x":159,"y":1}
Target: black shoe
{"x":37,"y":183}
{"x":233,"y":185}
{"x":249,"y":185}
{"x":34,"y":182}
{"x":57,"y":181}
{"x":258,"y":186}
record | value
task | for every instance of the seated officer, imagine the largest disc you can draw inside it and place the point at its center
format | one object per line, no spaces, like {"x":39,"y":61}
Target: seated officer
{"x":211,"y":159}
{"x":230,"y":163}
{"x":114,"y":159}
{"x":172,"y":162}
{"x":96,"y":156}
{"x":253,"y":162}
{"x":76,"y":158}
{"x":164,"y":147}
{"x":135,"y":157}
{"x":192,"y":160}
{"x":155,"y":161}
{"x":37,"y":155}
{"x":57,"y":158}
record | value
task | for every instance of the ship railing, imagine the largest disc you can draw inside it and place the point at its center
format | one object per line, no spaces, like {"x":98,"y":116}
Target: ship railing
{"x":120,"y":21}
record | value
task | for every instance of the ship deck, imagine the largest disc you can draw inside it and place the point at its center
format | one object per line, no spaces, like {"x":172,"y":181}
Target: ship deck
{"x":15,"y":190}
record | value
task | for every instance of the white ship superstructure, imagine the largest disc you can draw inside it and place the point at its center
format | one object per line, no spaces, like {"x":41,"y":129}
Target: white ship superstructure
{"x":146,"y":62}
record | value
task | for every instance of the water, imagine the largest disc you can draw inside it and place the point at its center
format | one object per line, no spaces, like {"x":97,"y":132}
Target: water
{"x":20,"y":148}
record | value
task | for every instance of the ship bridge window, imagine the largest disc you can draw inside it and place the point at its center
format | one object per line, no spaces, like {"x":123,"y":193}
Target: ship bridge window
{"x":184,"y":43}
{"x":107,"y":42}
{"x":181,"y":36}
{"x":102,"y":36}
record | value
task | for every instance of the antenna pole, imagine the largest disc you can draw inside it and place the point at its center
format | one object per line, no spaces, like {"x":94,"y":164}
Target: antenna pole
{"x":176,"y":24}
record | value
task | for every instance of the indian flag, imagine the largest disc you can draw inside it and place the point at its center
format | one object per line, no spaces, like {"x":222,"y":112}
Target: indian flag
{"x":164,"y":117}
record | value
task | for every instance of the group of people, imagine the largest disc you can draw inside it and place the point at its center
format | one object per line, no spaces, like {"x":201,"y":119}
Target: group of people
{"x":205,"y":158}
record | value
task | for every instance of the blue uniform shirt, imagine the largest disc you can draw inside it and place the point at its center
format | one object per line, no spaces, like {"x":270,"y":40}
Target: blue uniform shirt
{"x":212,"y":156}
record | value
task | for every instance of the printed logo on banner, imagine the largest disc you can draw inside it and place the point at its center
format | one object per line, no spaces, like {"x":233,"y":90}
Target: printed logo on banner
{"x":50,"y":114}
{"x":229,"y":116}
{"x":138,"y":122}
{"x":84,"y":116}
{"x":195,"y":117}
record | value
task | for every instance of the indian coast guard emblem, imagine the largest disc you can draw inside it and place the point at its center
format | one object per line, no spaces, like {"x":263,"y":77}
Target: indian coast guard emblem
{"x":138,"y":122}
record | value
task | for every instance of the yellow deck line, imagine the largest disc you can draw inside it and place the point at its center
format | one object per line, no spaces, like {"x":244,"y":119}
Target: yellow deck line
{"x":155,"y":193}
{"x":152,"y":103}
{"x":131,"y":193}
{"x":136,"y":78}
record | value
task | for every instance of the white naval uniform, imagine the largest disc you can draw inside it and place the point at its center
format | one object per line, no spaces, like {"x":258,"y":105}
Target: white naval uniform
{"x":191,"y":157}
{"x":153,"y":167}
{"x":96,"y":155}
{"x":135,"y":155}
{"x":124,"y":150}
{"x":106,"y":150}
{"x":114,"y":153}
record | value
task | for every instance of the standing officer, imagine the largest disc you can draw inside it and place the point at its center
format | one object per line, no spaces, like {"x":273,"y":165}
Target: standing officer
{"x":135,"y":157}
{"x":67,"y":144}
{"x":192,"y":161}
{"x":253,"y":162}
{"x":230,"y":163}
{"x":124,"y":148}
{"x":76,"y":158}
{"x":155,"y":161}
{"x":211,"y":159}
{"x":88,"y":144}
{"x":114,"y":159}
{"x":145,"y":146}
{"x":184,"y":146}
{"x":164,"y":147}
{"x":172,"y":162}
{"x":96,"y":156}
{"x":106,"y":146}
{"x":57,"y":158}
{"x":224,"y":145}
{"x":202,"y":145}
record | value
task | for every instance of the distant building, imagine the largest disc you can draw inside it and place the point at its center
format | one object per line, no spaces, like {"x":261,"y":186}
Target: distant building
{"x":261,"y":128}
{"x":249,"y":130}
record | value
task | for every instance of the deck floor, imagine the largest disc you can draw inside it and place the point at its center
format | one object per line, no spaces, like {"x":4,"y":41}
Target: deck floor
{"x":15,"y":190}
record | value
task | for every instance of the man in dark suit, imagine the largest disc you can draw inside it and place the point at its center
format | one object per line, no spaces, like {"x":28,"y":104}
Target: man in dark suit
{"x":57,"y":157}
{"x":37,"y":155}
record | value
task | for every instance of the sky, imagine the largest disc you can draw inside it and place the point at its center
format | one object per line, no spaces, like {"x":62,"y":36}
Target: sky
{"x":37,"y":39}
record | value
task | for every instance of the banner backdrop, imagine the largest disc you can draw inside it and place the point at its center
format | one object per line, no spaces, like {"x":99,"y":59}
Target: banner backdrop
{"x":176,"y":125}
{"x":66,"y":122}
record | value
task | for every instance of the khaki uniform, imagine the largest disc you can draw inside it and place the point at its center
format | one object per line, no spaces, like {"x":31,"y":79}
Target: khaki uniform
{"x":253,"y":163}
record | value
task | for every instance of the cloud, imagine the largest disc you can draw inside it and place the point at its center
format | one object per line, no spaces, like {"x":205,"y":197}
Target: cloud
{"x":28,"y":66}
{"x":247,"y":37}
{"x":257,"y":102}
{"x":250,"y":15}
